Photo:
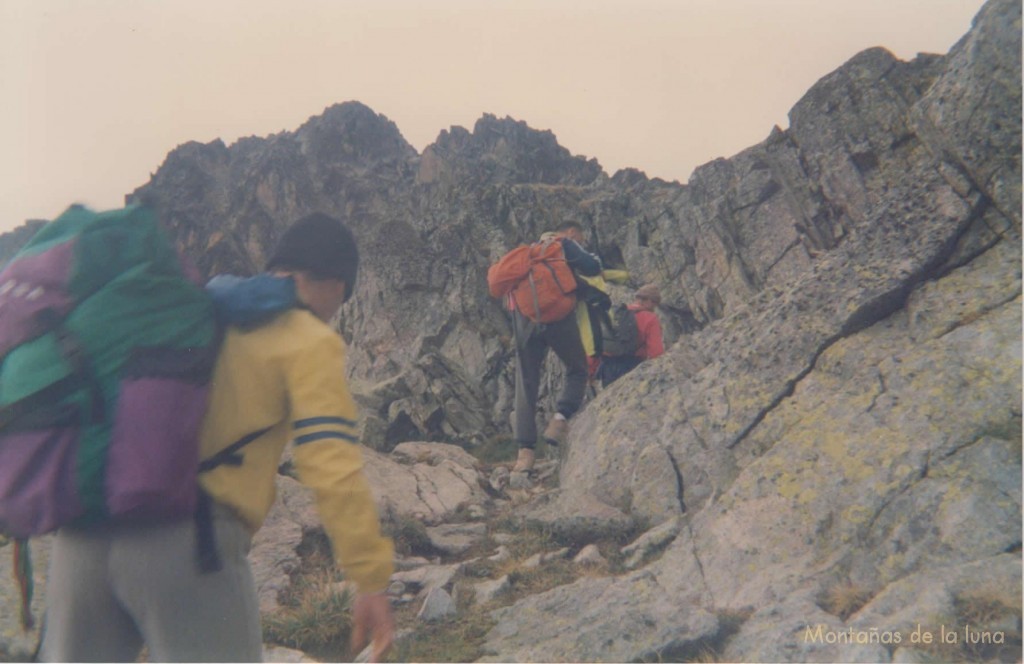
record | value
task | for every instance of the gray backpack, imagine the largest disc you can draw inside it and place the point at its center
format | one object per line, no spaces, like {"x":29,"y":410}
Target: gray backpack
{"x":619,"y":332}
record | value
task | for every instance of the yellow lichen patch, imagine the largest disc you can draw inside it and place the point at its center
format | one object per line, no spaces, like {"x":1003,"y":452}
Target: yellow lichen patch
{"x":789,"y":486}
{"x":856,"y":515}
{"x":893,"y":567}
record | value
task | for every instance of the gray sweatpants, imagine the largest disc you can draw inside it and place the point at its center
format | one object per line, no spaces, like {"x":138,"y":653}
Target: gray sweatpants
{"x":112,"y":588}
{"x":563,"y":337}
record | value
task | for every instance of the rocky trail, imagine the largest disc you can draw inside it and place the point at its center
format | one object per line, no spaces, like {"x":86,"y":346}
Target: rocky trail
{"x":463,"y":546}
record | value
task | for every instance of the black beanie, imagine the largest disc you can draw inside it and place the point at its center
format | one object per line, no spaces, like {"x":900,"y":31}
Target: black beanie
{"x":320,"y":245}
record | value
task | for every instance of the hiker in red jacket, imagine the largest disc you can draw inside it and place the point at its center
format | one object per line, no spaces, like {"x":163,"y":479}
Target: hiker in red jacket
{"x":647,"y":299}
{"x":650,"y":343}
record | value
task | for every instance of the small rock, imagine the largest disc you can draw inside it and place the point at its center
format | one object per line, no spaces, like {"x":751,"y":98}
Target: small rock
{"x":545,"y":469}
{"x":434,"y":453}
{"x":456,"y":538}
{"x":477,"y":512}
{"x":519,"y":481}
{"x":436,"y":605}
{"x":532,"y":562}
{"x":503,"y":538}
{"x":488,"y":591}
{"x":501,"y":555}
{"x":499,"y":478}
{"x":285,"y":655}
{"x":589,"y":555}
{"x":539,"y":559}
{"x":634,"y":560}
{"x":396,"y":589}
{"x":653,"y":539}
{"x":411,"y":562}
{"x":428,"y":577}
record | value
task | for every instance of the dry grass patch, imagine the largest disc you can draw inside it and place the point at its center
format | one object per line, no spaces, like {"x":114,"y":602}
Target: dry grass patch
{"x":989,"y":629}
{"x":409,"y":536}
{"x":981,"y":610}
{"x":536,"y":580}
{"x":315,"y":618}
{"x":705,"y":655}
{"x":845,"y":599}
{"x":496,"y":450}
{"x":458,"y":638}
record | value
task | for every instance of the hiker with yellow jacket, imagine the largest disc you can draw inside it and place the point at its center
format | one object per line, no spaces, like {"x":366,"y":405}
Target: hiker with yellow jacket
{"x":279,"y":377}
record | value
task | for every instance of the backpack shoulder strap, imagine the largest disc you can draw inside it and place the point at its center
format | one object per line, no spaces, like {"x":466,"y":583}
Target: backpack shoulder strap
{"x":207,"y":555}
{"x":230,"y":455}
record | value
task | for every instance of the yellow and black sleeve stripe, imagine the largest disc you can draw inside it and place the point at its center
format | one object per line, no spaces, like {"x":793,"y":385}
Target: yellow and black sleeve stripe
{"x":312,"y":429}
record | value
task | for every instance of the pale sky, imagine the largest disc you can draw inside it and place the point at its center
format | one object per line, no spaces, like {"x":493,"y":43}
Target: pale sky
{"x":95,"y":93}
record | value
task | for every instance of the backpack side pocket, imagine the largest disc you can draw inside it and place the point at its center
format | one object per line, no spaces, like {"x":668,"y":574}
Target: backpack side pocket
{"x":153,"y":458}
{"x":38,"y":472}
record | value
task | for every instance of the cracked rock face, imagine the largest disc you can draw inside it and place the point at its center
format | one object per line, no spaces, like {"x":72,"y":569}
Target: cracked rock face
{"x":857,"y":423}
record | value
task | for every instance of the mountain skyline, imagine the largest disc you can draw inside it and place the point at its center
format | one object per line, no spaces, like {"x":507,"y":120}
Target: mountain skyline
{"x":97,"y":95}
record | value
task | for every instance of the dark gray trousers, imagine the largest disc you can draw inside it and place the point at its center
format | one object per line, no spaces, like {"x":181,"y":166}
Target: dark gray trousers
{"x":533,"y":341}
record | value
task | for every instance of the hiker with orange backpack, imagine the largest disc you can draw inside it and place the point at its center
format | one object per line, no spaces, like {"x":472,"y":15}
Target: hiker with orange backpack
{"x":539,"y":283}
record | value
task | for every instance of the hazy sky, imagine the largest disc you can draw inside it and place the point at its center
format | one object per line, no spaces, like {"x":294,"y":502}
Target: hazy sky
{"x":95,"y":93}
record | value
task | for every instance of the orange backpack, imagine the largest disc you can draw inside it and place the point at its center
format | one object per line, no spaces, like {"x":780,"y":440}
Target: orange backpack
{"x":537,"y":280}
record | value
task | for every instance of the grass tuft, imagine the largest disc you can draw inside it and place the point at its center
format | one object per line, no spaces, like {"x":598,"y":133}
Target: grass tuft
{"x":409,"y":536}
{"x":845,"y":599}
{"x":317,"y":618}
{"x":455,"y":639}
{"x":984,"y":613}
{"x":495,"y":450}
{"x":980,"y":610}
{"x":705,"y":655}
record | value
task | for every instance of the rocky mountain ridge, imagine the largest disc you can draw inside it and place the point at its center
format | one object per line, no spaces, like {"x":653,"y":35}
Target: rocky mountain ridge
{"x":840,"y":404}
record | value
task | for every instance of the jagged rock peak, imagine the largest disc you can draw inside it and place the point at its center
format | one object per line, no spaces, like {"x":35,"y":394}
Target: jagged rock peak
{"x":345,"y":132}
{"x":194,"y":153}
{"x":353,"y":129}
{"x":506,"y":151}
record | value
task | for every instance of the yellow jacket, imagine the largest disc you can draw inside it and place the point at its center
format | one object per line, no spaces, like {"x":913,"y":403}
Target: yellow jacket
{"x":286,"y":380}
{"x":583,"y":312}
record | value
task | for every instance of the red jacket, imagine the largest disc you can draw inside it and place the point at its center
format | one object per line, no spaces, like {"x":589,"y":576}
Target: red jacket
{"x":651,"y":343}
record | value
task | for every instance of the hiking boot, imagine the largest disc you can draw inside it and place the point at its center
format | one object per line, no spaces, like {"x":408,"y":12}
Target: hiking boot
{"x":556,"y":431}
{"x":524,"y":462}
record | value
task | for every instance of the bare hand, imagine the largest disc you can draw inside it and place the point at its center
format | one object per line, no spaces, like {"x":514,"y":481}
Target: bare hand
{"x":371,"y":617}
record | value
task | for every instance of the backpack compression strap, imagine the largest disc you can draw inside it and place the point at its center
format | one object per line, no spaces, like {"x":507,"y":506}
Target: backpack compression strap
{"x":230,"y":454}
{"x":554,"y":276}
{"x":207,"y":555}
{"x":81,"y":376}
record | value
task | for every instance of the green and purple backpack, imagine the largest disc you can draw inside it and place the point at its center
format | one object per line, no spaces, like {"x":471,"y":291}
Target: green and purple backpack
{"x":107,"y":344}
